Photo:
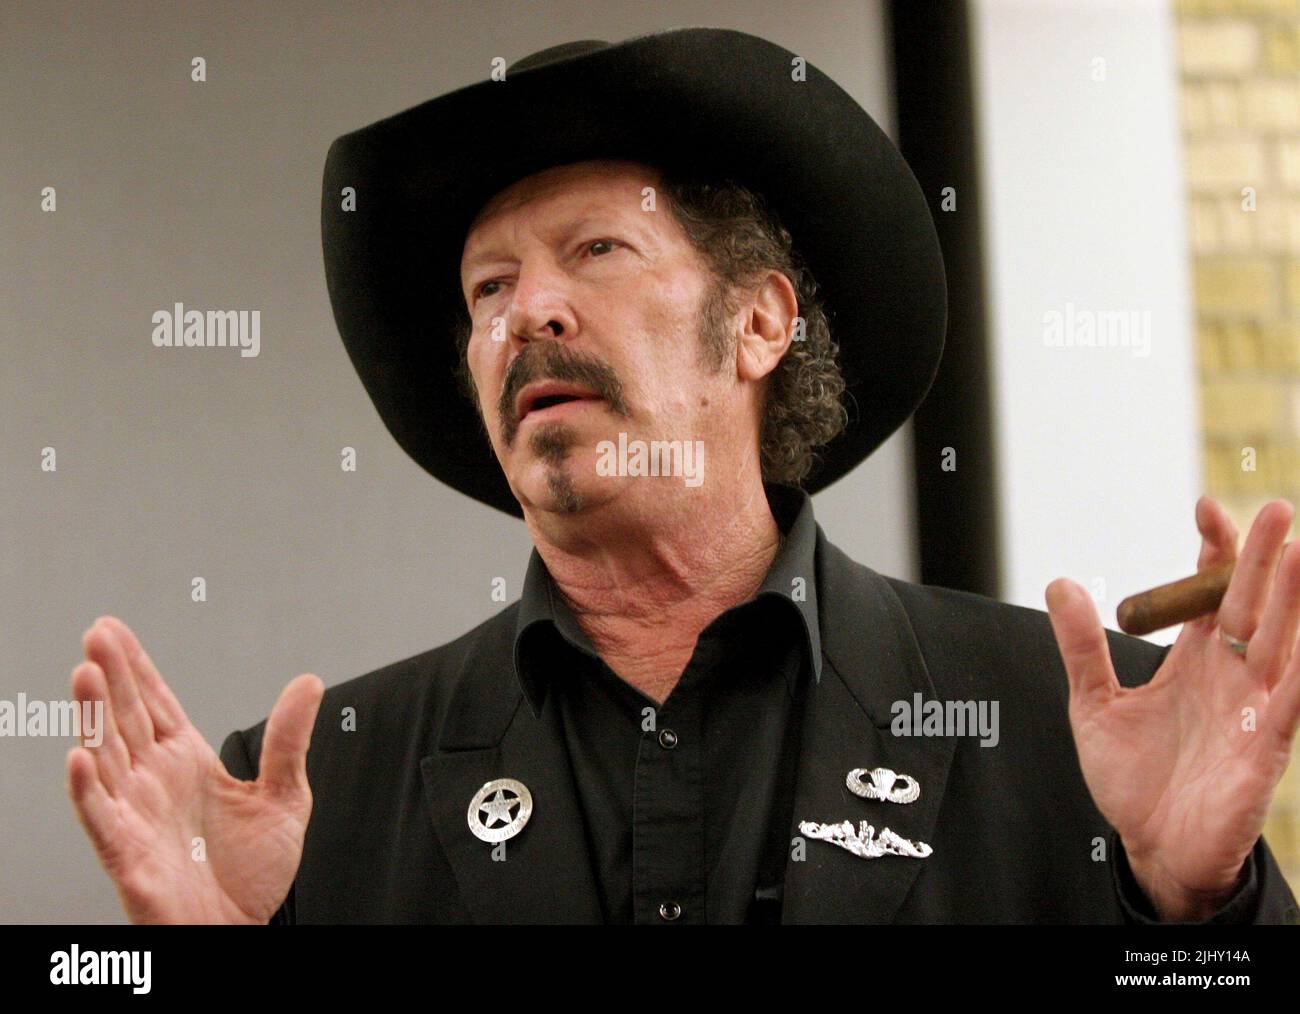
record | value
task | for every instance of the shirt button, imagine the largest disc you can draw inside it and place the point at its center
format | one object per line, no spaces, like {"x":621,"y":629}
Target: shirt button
{"x":669,"y":911}
{"x":667,"y":739}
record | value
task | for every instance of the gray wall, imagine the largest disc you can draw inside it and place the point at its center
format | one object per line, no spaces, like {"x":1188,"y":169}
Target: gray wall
{"x":175,"y":463}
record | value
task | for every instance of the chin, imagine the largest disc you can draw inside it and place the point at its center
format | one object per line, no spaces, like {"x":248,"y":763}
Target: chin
{"x":554,"y":486}
{"x":570,"y":486}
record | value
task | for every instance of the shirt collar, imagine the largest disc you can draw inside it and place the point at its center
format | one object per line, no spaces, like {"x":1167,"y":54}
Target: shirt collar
{"x":792,"y":578}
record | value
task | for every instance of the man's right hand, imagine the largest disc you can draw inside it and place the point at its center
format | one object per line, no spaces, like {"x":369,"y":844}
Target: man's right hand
{"x":154,"y":785}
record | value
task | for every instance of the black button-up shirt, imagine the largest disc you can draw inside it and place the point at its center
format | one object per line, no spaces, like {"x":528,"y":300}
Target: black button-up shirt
{"x":687,"y":804}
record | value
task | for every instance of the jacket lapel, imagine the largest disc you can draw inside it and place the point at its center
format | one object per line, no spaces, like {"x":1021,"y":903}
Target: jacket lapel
{"x":489,"y":733}
{"x":872,"y":660}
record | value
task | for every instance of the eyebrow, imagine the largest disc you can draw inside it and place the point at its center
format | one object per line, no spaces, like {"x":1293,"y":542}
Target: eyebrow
{"x":564,"y":229}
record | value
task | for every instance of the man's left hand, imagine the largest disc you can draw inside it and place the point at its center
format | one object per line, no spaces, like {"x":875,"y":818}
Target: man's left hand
{"x":1184,"y":767}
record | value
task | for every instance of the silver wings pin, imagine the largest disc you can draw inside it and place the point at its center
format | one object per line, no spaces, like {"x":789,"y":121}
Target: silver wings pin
{"x":880,"y":784}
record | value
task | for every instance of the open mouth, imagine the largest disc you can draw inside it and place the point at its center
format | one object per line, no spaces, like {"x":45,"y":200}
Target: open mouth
{"x":546,"y":398}
{"x":555,"y":405}
{"x":554,"y":399}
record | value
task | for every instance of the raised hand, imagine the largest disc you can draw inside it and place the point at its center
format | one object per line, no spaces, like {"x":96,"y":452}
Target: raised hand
{"x":154,"y":785}
{"x":1185,"y":766}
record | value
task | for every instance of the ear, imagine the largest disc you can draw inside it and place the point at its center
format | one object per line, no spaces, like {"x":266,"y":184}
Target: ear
{"x":767,"y":327}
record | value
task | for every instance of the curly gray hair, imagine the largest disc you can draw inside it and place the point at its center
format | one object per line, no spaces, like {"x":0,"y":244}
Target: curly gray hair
{"x":740,"y":238}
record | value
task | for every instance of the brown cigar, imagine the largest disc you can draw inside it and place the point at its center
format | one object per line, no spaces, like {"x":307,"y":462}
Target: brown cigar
{"x":1176,"y":602}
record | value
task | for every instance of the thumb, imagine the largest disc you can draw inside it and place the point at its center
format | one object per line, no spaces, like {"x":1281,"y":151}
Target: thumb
{"x":1081,"y":640}
{"x":288,"y":735}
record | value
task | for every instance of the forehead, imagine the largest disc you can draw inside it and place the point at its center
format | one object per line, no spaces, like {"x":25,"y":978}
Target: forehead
{"x":559,"y":192}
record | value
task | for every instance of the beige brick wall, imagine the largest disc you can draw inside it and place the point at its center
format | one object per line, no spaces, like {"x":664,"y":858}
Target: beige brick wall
{"x":1240,"y":88}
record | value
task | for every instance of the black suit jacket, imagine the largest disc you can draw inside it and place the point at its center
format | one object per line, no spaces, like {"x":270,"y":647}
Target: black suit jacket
{"x":1014,"y":830}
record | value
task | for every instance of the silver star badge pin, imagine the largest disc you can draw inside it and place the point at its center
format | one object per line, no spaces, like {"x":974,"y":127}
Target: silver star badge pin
{"x":500,"y":810}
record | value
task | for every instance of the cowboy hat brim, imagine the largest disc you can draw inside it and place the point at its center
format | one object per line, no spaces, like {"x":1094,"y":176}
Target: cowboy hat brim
{"x":716,"y":100}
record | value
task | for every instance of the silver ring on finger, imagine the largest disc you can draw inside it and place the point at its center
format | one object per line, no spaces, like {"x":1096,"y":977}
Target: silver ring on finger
{"x":1234,"y":643}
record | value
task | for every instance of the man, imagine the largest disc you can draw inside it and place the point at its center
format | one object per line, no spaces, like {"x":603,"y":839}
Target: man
{"x":699,"y":710}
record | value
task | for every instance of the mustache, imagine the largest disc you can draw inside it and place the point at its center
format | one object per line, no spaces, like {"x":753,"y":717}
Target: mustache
{"x":549,"y":361}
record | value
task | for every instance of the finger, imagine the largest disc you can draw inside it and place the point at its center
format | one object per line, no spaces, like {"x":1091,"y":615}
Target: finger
{"x":165,"y":710}
{"x":90,"y":798}
{"x":111,"y":754}
{"x":1247,"y":594}
{"x":283,"y":767}
{"x":133,"y":720}
{"x":1284,"y":705}
{"x":1271,"y":647}
{"x":1082,"y":642}
{"x":1218,"y":534}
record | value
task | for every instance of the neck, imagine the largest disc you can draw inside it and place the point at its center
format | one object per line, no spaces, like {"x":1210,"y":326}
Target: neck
{"x":644,"y":583}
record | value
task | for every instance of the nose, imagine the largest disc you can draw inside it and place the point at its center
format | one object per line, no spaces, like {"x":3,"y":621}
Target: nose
{"x":539,"y":308}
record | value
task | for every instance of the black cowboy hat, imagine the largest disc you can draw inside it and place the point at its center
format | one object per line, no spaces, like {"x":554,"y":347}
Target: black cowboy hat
{"x":716,"y":100}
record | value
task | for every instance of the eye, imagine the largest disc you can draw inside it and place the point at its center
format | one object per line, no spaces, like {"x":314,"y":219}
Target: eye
{"x":479,"y":293}
{"x":611,"y":243}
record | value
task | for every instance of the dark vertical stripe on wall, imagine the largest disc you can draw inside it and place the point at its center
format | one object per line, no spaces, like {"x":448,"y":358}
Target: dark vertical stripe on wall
{"x":956,"y":510}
